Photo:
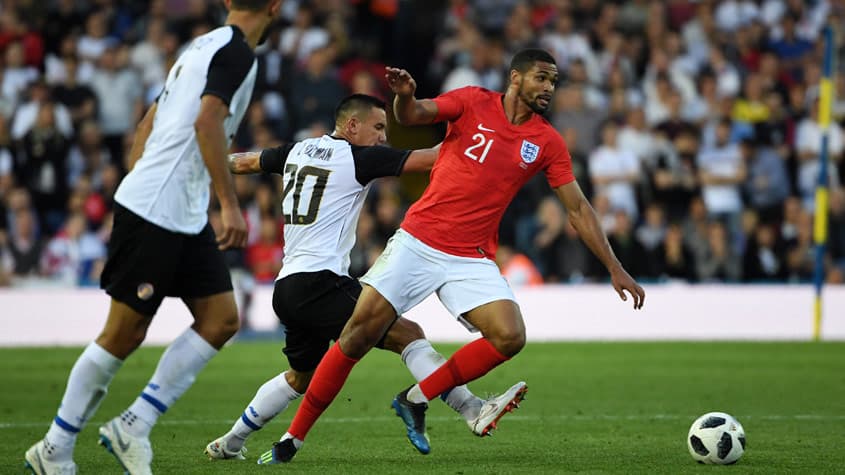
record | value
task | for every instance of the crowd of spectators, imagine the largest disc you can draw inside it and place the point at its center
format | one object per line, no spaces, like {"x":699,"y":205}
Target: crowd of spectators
{"x":692,"y":125}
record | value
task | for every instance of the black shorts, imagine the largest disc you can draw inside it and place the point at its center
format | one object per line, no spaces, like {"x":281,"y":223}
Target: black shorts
{"x":147,"y":263}
{"x":314,"y":307}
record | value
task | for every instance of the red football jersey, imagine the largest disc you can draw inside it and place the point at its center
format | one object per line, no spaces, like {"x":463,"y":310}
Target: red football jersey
{"x":483,"y":162}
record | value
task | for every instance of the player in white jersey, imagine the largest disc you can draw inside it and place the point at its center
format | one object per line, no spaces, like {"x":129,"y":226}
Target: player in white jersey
{"x":162,"y":245}
{"x":326,"y":181}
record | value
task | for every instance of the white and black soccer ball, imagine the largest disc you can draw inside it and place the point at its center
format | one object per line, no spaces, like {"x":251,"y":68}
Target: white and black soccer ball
{"x":716,"y":438}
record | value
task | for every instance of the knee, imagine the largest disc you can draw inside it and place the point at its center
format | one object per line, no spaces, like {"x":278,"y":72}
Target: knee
{"x":371,"y":319}
{"x":361,"y":333}
{"x":401,"y":334}
{"x":508,"y":342}
{"x":357,"y":337}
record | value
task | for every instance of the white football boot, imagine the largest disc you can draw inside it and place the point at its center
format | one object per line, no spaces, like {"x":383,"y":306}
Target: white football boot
{"x":38,"y":462}
{"x":134,"y":453}
{"x":218,"y":450}
{"x":494,"y":408}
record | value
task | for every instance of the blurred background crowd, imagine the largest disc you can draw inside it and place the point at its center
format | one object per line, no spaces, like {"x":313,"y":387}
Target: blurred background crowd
{"x":692,"y":125}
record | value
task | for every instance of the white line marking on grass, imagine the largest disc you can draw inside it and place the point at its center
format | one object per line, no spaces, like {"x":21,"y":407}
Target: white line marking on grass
{"x":514,"y":417}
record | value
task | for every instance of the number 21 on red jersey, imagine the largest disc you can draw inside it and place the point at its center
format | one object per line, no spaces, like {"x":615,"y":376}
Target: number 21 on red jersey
{"x":481,"y":142}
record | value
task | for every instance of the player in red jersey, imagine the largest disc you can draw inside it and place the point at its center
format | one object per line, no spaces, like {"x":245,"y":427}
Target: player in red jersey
{"x":494,"y":144}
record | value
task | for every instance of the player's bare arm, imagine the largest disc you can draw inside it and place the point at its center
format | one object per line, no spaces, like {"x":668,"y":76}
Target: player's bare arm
{"x":421,"y":160}
{"x":211,"y":138}
{"x":142,"y":133}
{"x":245,"y":163}
{"x":408,"y":109}
{"x":584,"y":219}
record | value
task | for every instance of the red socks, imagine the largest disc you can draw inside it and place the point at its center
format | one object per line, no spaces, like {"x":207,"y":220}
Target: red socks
{"x":470,"y":362}
{"x":328,"y":379}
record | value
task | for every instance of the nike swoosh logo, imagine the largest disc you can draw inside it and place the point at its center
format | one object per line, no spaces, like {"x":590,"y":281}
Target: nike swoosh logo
{"x":485,"y":129}
{"x":124,"y":446}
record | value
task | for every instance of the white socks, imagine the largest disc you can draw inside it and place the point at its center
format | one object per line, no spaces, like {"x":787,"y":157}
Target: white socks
{"x":177,"y":369}
{"x":415,"y":395}
{"x":422,"y":360}
{"x":86,"y":386}
{"x":271,"y":398}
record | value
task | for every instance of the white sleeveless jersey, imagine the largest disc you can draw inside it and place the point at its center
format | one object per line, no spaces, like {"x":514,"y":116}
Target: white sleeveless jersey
{"x":169,"y":185}
{"x":326,"y":180}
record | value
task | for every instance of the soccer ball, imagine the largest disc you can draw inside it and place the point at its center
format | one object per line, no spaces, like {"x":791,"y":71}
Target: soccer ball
{"x":716,"y":438}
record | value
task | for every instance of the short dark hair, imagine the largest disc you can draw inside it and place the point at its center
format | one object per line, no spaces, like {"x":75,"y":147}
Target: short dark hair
{"x":253,"y":5}
{"x":356,"y":103}
{"x":525,"y":59}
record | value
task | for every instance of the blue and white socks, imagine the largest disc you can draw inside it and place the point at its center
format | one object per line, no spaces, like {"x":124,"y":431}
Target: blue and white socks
{"x":86,"y":387}
{"x":176,"y":372}
{"x":271,"y":398}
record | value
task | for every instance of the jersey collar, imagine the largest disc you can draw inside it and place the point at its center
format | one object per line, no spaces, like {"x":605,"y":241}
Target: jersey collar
{"x":237,"y":30}
{"x":339,"y":138}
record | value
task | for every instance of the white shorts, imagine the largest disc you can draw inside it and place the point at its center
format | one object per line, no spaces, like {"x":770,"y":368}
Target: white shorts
{"x":408,"y":271}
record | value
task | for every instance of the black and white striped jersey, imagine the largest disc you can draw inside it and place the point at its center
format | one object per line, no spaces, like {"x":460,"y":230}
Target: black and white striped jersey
{"x":169,"y":185}
{"x":325,"y":182}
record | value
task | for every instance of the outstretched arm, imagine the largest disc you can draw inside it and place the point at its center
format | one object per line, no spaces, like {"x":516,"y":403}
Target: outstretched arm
{"x":409,"y":110}
{"x":421,"y":160}
{"x":245,"y":163}
{"x":584,"y":219}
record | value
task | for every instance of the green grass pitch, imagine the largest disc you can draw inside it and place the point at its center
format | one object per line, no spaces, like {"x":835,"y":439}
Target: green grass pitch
{"x":591,"y":408}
